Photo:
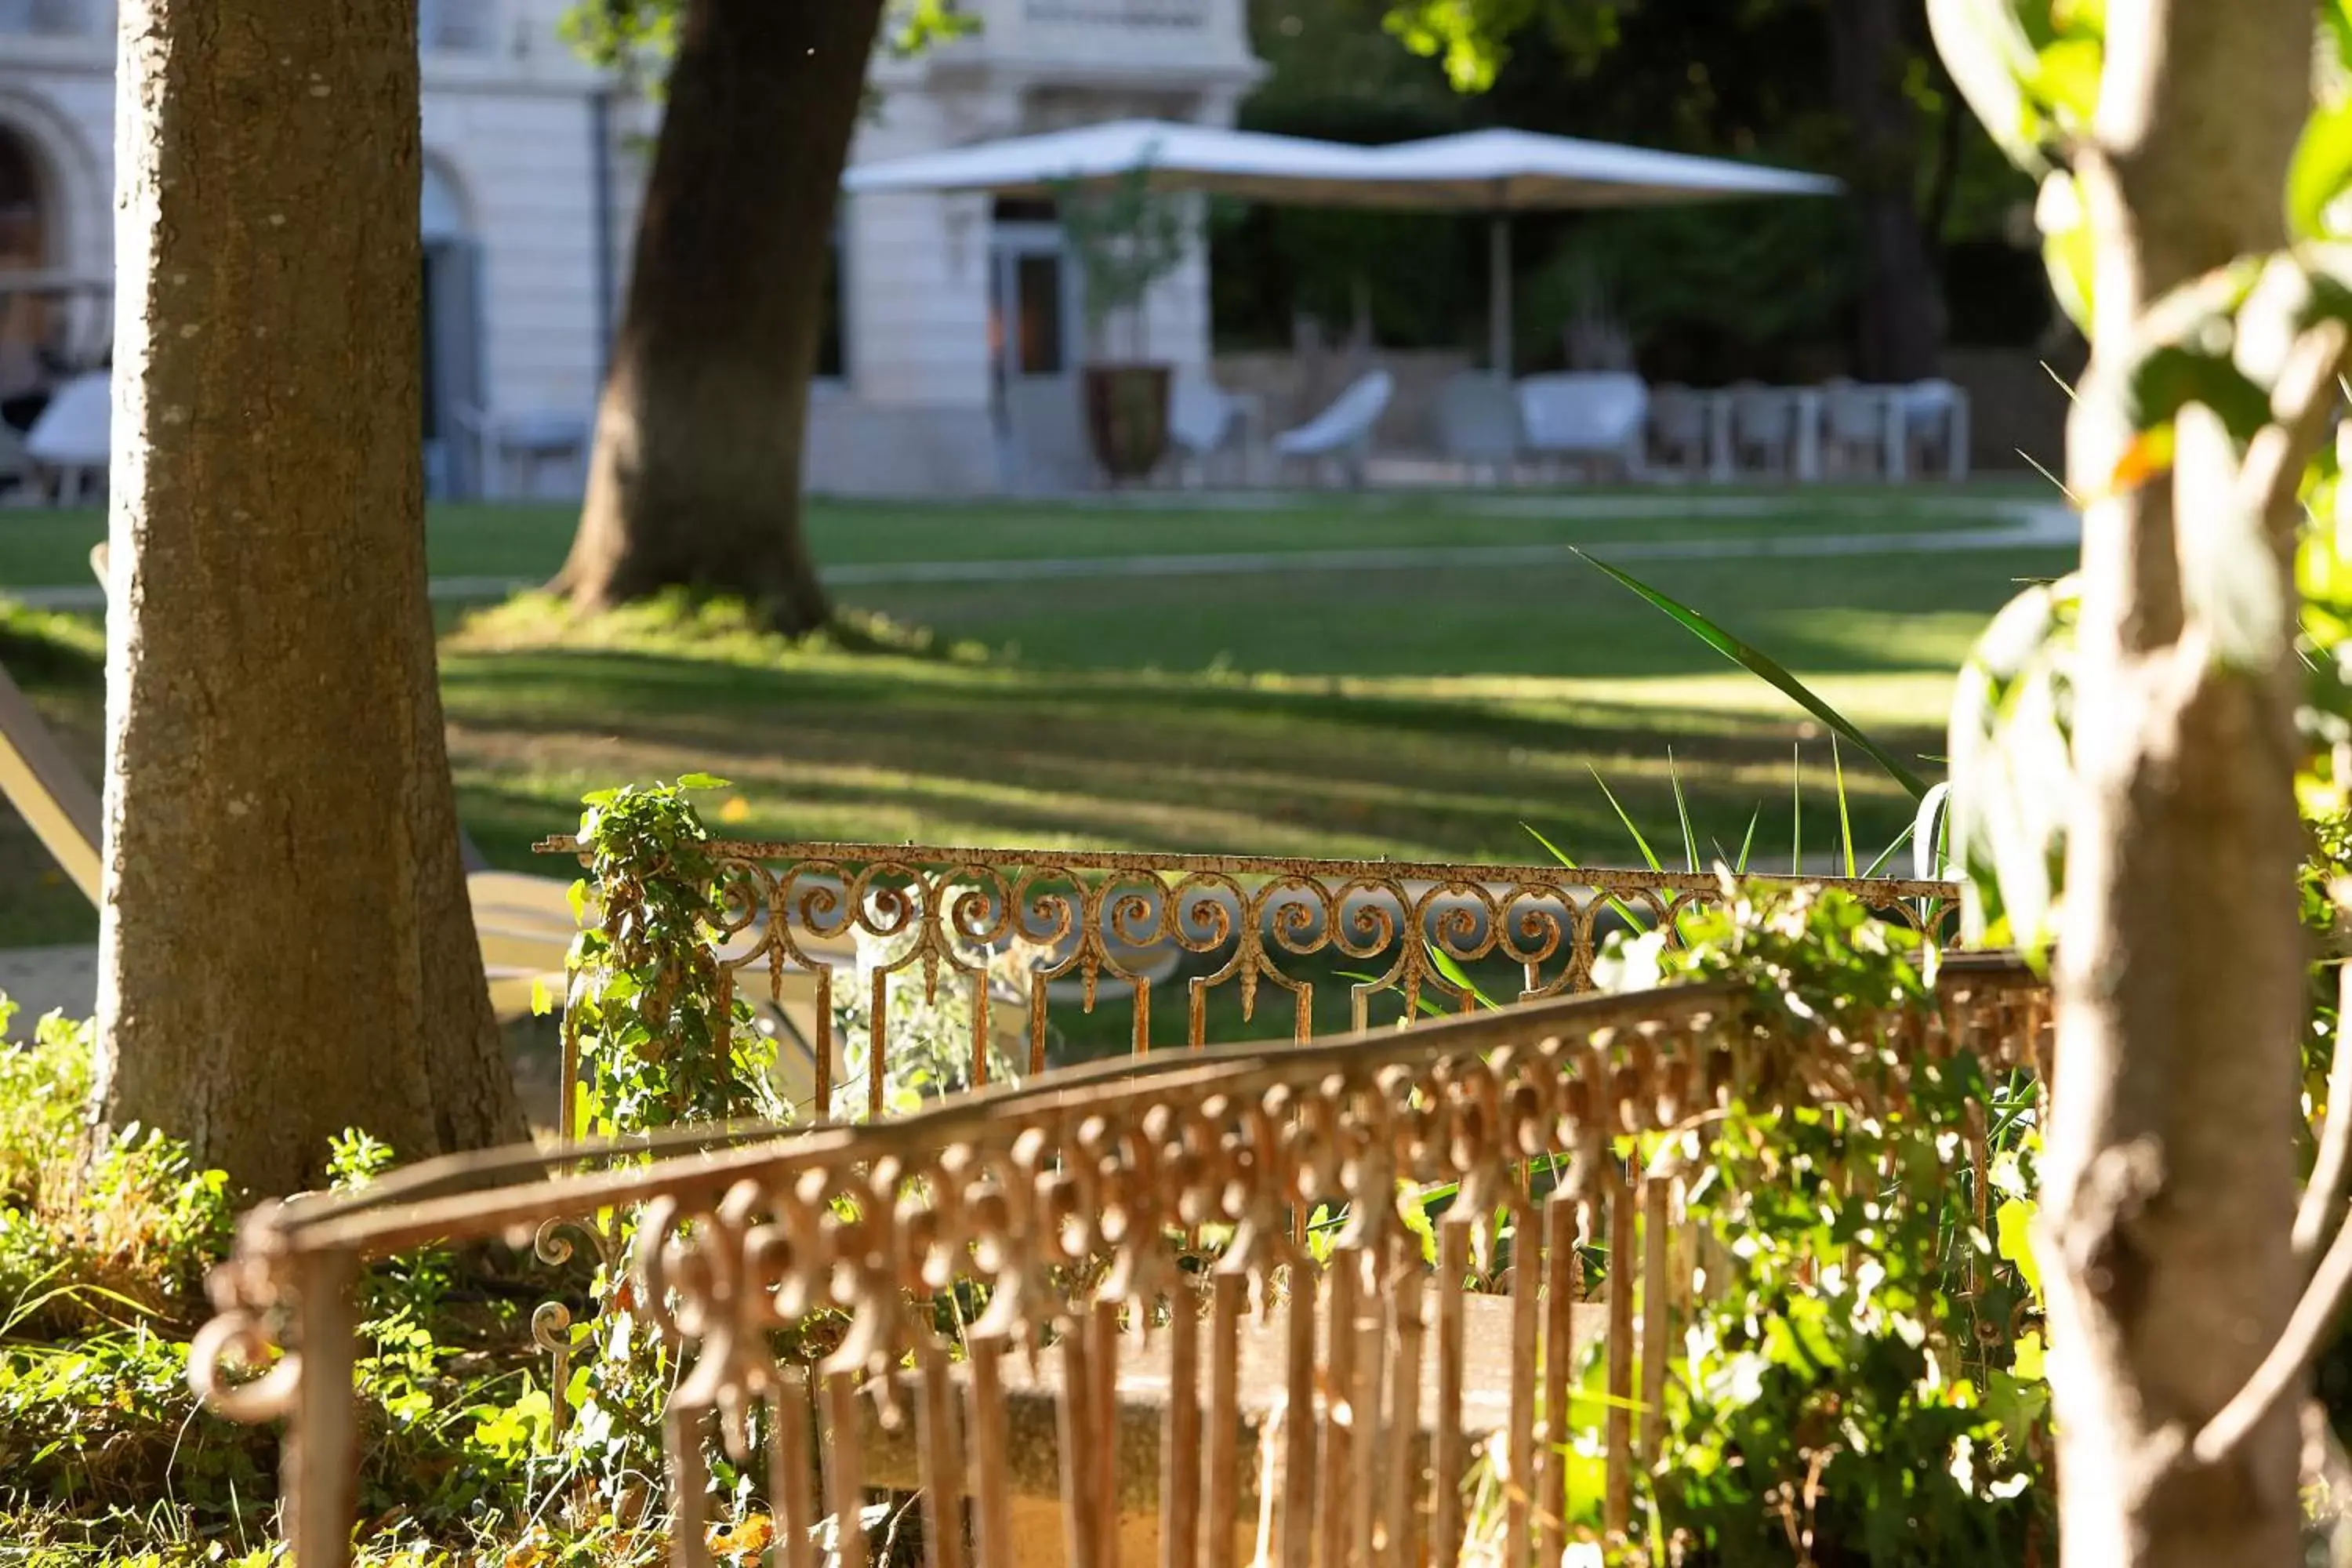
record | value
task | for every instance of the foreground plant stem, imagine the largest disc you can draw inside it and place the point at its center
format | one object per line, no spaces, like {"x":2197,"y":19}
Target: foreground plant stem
{"x":2171,"y":1193}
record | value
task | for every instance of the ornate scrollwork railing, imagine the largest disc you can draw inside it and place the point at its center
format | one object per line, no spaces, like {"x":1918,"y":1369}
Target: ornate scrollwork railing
{"x":1338,"y":1425}
{"x":1030,"y":937}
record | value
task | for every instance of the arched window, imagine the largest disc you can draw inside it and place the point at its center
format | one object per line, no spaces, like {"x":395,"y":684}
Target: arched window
{"x":28,"y":320}
{"x":24,"y":240}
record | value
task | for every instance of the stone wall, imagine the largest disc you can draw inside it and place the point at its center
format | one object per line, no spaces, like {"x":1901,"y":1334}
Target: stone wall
{"x":2015,"y":404}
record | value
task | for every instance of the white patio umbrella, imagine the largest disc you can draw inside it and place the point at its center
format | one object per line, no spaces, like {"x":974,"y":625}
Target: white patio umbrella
{"x":1286,"y":170}
{"x":1499,"y":173}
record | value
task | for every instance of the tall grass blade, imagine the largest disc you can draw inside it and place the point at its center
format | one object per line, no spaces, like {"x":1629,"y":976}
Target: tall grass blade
{"x":1797,"y":809}
{"x":1455,"y":975}
{"x":1846,"y":819}
{"x":1649,"y":856}
{"x":1554,"y":851}
{"x":1557,"y":853}
{"x":1887,"y":853}
{"x":1682,"y":810}
{"x":1769,"y":669}
{"x":1429,"y":1004}
{"x":1931,"y":833}
{"x":2071,"y":499}
{"x":1747,"y":843}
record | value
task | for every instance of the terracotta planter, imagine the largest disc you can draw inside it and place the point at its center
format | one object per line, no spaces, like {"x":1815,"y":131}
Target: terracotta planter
{"x":1127,"y":418}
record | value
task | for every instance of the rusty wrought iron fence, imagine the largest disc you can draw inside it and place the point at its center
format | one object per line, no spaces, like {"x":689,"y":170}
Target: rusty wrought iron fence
{"x":1033,"y":946}
{"x":1132,"y":1404}
{"x":1032,"y":942}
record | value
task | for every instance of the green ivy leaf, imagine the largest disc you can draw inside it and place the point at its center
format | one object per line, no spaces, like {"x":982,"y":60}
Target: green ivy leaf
{"x":2171,"y":376}
{"x":2322,"y":169}
{"x":2013,"y":1235}
{"x":2066,"y":250}
{"x":1990,"y":56}
{"x":2066,"y":78}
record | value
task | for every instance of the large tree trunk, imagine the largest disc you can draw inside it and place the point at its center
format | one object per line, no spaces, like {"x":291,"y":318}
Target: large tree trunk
{"x":2169,"y":1178}
{"x":696,"y":478}
{"x":1901,"y":309}
{"x":285,"y":946}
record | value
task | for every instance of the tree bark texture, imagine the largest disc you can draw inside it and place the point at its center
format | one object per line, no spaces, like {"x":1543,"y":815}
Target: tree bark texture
{"x":2169,"y":1184}
{"x":1900,"y":325}
{"x":694,"y":480}
{"x":286,"y":944}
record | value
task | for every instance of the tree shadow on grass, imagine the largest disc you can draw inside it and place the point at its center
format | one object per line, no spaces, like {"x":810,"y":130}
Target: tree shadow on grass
{"x":862,"y":751}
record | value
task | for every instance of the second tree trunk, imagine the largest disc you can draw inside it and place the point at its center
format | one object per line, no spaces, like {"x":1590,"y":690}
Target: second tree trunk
{"x":695,"y":481}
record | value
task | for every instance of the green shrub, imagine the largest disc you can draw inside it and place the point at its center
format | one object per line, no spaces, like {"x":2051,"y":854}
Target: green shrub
{"x":108,"y":1421}
{"x":40,"y":647}
{"x":660,"y":1043}
{"x":1856,"y":1386}
{"x":44,"y":1103}
{"x":89,"y":1243}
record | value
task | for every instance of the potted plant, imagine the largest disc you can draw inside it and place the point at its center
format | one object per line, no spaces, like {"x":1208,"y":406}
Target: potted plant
{"x":1125,"y":237}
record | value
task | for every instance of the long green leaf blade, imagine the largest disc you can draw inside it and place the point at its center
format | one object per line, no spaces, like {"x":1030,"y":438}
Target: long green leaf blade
{"x":1648,"y":855}
{"x":1747,"y":843}
{"x":1769,"y":669}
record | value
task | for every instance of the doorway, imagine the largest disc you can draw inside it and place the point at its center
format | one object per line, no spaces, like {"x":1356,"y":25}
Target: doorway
{"x":1032,"y":351}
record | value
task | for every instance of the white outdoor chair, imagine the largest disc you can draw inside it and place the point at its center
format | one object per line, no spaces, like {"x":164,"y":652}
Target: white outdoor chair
{"x":68,"y":443}
{"x":1479,"y":424}
{"x":1593,"y":417}
{"x":510,"y":451}
{"x":1678,"y":429}
{"x":1204,"y":421}
{"x":1343,"y":432}
{"x":526,"y":444}
{"x":1935,"y":424}
{"x":1854,"y":428}
{"x":1763,"y":426}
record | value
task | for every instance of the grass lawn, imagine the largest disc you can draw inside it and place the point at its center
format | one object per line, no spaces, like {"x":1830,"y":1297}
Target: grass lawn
{"x":52,"y":548}
{"x":1421,"y":714}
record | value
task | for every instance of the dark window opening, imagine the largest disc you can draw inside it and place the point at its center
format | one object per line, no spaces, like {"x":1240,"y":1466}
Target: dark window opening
{"x":831,"y":352}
